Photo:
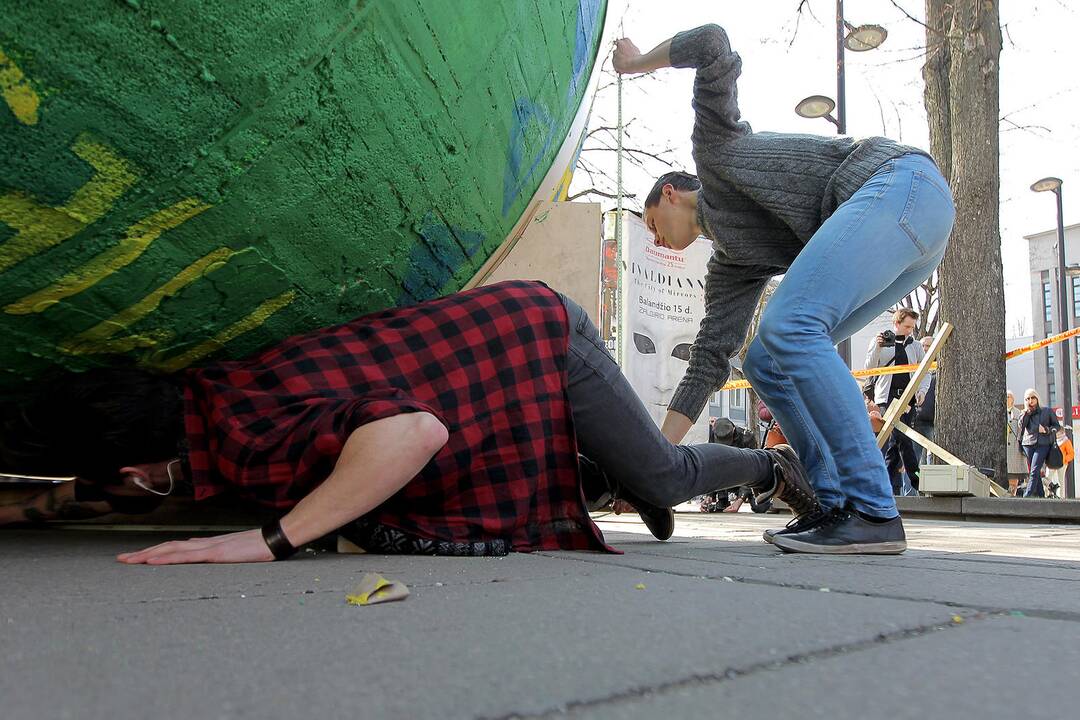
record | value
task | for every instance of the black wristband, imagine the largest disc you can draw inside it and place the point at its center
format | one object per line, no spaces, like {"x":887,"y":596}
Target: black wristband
{"x":277,"y":542}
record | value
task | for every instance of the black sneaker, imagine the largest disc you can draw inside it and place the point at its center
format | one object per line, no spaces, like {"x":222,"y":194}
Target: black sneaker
{"x":789,"y":483}
{"x":796,"y":525}
{"x":600,"y":491}
{"x":844,"y":532}
{"x":659,"y":520}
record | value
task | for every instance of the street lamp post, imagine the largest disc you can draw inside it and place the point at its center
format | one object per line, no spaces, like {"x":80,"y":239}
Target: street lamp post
{"x":1053,"y":184}
{"x":856,"y":39}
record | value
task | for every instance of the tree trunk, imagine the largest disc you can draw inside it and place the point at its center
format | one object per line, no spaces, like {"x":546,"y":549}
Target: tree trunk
{"x":971,"y":381}
{"x":936,"y":78}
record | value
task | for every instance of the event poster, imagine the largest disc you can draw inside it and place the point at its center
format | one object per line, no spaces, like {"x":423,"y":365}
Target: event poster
{"x":663,"y":303}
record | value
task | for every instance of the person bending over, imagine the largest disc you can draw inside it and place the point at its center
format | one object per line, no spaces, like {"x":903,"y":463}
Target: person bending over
{"x":852,"y":225}
{"x":448,"y":427}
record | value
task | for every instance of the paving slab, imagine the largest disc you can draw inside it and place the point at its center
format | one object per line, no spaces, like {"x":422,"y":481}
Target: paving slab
{"x":937,"y":673}
{"x":714,"y":616}
{"x":961,"y":564}
{"x":64,"y":567}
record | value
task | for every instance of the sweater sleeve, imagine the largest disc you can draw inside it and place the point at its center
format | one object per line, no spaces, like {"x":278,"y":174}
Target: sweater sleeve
{"x":716,"y":97}
{"x":873,"y":354}
{"x":924,"y":384}
{"x":731,"y":296}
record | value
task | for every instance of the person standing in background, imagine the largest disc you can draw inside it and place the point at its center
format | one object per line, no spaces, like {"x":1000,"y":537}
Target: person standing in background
{"x":1016,"y":464}
{"x":897,"y":347}
{"x":1037,"y":428}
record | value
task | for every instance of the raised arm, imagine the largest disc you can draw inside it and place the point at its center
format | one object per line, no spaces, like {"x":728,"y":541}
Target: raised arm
{"x":377,"y":460}
{"x":873,"y":353}
{"x":717,"y":68}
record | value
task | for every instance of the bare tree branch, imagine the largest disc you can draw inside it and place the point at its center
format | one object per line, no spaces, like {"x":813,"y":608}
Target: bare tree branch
{"x":594,"y":191}
{"x":911,"y":17}
{"x":1025,"y":128}
{"x":631,"y":153}
{"x":798,"y":19}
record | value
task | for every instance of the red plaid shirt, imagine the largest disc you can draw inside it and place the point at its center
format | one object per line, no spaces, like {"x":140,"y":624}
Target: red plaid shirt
{"x":490,"y":363}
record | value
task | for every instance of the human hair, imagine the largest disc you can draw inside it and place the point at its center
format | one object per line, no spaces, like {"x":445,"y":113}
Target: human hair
{"x":1032,"y":391}
{"x":90,"y":424}
{"x":903,"y":313}
{"x":683,"y":181}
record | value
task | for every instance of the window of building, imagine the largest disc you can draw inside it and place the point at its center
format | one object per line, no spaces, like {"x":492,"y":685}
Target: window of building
{"x":1047,"y":309}
{"x":738,"y":399}
{"x":1076,"y":295}
{"x":1051,"y":394}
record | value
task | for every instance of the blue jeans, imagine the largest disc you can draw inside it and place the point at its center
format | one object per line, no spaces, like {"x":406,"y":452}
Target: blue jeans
{"x":1036,"y":455}
{"x":874,"y":250}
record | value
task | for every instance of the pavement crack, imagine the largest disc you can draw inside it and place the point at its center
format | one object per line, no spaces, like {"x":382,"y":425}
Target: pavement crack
{"x":951,"y":604}
{"x":734,"y":673}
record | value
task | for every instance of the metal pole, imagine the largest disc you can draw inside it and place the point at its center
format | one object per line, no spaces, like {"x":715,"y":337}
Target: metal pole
{"x":1063,"y":325}
{"x":841,"y":94}
{"x":619,"y":339}
{"x":844,"y":348}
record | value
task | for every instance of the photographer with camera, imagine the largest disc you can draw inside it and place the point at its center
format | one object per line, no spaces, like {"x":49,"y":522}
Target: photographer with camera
{"x":898,"y":347}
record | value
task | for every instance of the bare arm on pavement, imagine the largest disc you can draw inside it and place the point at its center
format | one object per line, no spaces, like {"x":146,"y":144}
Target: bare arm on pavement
{"x":378,"y":459}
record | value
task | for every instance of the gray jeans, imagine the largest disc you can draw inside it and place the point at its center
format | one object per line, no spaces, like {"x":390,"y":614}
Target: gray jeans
{"x":615,"y":431}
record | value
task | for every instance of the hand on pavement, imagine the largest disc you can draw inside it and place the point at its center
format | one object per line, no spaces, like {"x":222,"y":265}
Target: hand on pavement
{"x":238,"y":547}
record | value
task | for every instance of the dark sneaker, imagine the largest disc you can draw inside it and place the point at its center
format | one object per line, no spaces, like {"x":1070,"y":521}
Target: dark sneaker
{"x":600,"y":491}
{"x":797,"y":525}
{"x":789,"y":484}
{"x":660,"y":521}
{"x":843,"y":532}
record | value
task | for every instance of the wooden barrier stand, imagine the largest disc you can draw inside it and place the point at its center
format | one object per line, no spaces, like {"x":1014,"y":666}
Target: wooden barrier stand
{"x":896,"y":409}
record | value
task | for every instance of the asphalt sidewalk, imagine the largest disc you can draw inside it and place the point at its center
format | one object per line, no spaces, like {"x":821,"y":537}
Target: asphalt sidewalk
{"x":974,"y":621}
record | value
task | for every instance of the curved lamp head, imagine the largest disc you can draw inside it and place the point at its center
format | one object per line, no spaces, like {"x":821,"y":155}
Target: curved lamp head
{"x":864,"y":37}
{"x":815,"y":106}
{"x":1047,"y":184}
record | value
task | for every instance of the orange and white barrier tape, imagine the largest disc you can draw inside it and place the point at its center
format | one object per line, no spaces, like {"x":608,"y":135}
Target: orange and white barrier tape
{"x":896,"y":369}
{"x":1042,"y":343}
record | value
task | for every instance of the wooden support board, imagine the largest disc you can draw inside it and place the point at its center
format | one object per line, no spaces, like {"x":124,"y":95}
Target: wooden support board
{"x":941,"y":452}
{"x":896,"y":409}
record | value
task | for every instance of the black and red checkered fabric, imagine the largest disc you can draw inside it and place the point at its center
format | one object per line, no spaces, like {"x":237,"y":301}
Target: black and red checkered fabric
{"x":490,"y":363}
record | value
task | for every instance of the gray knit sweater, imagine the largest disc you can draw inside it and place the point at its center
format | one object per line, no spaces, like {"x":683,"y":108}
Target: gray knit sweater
{"x":763,"y":196}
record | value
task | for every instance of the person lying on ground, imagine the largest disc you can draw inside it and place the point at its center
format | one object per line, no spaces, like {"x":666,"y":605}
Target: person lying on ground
{"x":448,"y":427}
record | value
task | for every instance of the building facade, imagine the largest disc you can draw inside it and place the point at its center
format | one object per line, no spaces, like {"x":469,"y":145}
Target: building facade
{"x":1043,"y":266}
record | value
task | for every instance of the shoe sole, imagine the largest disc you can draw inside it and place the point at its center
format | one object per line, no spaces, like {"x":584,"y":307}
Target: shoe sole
{"x":892,"y":547}
{"x":789,"y":454}
{"x":769,"y":537}
{"x":661,"y":536}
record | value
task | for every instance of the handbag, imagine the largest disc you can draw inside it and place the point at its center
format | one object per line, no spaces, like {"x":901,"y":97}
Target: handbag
{"x":1055,"y":459}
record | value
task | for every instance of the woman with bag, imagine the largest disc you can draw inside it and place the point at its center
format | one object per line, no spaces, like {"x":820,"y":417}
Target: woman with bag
{"x":1016,"y":467}
{"x":1038,"y":426}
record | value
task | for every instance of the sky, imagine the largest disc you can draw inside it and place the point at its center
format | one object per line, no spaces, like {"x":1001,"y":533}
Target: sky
{"x":787,"y":56}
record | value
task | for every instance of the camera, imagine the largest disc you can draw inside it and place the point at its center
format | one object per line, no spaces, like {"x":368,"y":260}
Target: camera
{"x":889,"y":337}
